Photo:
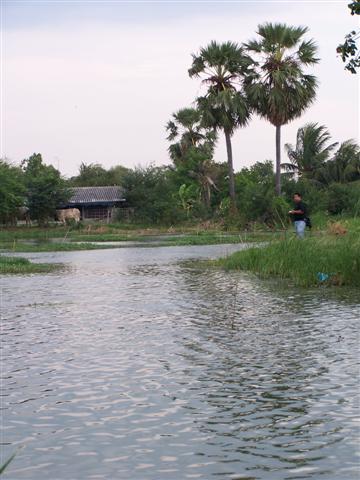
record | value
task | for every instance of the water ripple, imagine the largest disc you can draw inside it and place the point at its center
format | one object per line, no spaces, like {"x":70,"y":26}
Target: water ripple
{"x":138,"y":364}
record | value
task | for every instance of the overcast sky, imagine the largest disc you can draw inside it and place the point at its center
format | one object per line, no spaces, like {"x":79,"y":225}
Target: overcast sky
{"x":96,"y":82}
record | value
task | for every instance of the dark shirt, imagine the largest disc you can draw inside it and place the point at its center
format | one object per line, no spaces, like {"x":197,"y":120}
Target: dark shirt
{"x":299,"y":216}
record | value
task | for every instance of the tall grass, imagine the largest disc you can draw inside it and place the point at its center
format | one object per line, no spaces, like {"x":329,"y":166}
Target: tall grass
{"x":302,"y":261}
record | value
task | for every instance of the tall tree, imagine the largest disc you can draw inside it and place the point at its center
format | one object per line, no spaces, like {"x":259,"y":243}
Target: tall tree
{"x":344,"y":166}
{"x":278,"y":88}
{"x":46,"y":189}
{"x":311,"y":151}
{"x":12,"y":191}
{"x":192,"y":153}
{"x":224,"y":107}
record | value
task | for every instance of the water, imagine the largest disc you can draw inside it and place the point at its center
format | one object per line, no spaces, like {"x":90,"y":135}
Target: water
{"x":140,"y":364}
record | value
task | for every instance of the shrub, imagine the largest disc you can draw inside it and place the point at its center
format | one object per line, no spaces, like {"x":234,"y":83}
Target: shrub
{"x":151,"y":193}
{"x":343,"y":198}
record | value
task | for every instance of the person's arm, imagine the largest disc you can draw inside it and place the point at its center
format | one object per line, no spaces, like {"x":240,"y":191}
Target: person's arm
{"x":300,"y":210}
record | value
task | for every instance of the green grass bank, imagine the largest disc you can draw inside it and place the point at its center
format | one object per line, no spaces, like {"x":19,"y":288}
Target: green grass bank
{"x":24,"y":266}
{"x":19,"y":246}
{"x":323,"y":260}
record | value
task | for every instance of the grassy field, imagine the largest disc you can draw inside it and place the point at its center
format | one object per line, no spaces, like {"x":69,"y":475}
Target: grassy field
{"x":326,"y":259}
{"x":23,"y":265}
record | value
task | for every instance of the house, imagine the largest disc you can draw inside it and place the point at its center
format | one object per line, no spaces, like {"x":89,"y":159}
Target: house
{"x":97,"y":203}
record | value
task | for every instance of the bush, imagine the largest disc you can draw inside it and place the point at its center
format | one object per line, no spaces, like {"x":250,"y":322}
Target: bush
{"x":314,"y":194}
{"x":152,"y":195}
{"x":343,"y":198}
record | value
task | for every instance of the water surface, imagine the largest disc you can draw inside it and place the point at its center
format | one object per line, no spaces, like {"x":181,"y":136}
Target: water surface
{"x":140,"y":364}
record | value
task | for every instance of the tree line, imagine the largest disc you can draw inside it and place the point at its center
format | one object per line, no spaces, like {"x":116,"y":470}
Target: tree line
{"x":266,"y":76}
{"x":196,"y":188}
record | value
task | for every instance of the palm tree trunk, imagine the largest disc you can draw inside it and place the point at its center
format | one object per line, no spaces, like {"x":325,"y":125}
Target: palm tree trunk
{"x":278,"y":160}
{"x":231,"y":170}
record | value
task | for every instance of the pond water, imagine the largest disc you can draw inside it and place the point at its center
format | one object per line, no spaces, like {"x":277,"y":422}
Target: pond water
{"x":141,"y":364}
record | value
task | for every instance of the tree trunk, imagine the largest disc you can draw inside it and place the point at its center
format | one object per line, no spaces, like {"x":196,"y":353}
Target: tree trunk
{"x":231,"y":171}
{"x":278,"y":160}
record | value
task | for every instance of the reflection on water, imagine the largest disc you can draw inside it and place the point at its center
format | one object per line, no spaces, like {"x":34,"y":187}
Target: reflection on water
{"x":133,"y":364}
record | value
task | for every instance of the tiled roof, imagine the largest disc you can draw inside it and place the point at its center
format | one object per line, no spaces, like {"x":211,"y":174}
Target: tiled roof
{"x":96,"y":195}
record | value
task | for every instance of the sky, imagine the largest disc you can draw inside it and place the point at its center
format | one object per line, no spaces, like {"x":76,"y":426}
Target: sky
{"x":96,"y":82}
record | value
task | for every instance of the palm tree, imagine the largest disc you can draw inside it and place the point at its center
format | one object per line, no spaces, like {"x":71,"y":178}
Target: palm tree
{"x":311,"y":150}
{"x":193,"y":151}
{"x":344,"y":166}
{"x":204,"y":171}
{"x":186,"y":127}
{"x":278,"y":88}
{"x":224,"y":106}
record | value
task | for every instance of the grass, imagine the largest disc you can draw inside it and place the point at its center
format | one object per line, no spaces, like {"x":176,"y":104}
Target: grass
{"x":301,"y":261}
{"x":213,"y":239}
{"x":23,"y":265}
{"x":18,"y":241}
{"x":103,"y":237}
{"x":19,"y":246}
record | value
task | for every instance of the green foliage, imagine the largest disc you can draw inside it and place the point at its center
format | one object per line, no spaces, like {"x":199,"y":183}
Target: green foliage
{"x":285,"y":91}
{"x":150,"y":191}
{"x":45,"y":187}
{"x":12,"y":191}
{"x":355,"y":7}
{"x":23,"y":266}
{"x":52,"y":246}
{"x":278,"y":88}
{"x":256,"y":197}
{"x":95,"y":174}
{"x":337,"y":257}
{"x":186,"y":127}
{"x":343,"y":167}
{"x":314,"y":195}
{"x":343,"y":199}
{"x":188,"y":195}
{"x":280,"y":210}
{"x":311,"y":151}
{"x":199,"y":171}
{"x":222,"y":68}
{"x":349,"y":50}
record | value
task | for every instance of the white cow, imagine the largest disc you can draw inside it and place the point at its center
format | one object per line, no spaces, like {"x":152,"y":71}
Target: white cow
{"x":66,"y":214}
{"x":23,"y":214}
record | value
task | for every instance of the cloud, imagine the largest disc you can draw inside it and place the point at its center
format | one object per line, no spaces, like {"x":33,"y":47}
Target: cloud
{"x":102,"y":91}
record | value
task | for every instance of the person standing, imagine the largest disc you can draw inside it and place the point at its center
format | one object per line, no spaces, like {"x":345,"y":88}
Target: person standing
{"x":299,"y":215}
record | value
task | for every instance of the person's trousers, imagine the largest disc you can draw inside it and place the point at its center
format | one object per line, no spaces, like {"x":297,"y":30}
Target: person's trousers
{"x":300,"y":226}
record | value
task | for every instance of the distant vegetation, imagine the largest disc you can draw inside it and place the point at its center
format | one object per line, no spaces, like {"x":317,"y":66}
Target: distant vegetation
{"x":267,"y":76}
